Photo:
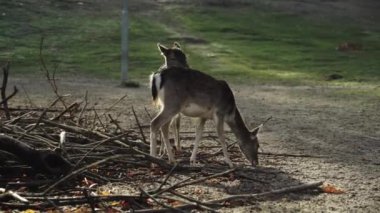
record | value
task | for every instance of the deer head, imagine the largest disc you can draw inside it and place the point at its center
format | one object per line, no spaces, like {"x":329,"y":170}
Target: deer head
{"x":174,"y":57}
{"x":250,"y":146}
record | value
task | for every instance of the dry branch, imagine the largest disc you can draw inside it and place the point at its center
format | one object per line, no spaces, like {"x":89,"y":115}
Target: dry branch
{"x":10,"y":193}
{"x":45,"y":161}
{"x":291,"y":155}
{"x":51,"y":80}
{"x":186,"y":183}
{"x":253,"y":196}
{"x":48,"y":202}
{"x":273,"y":192}
{"x":4,"y":98}
{"x":78,"y":171}
{"x":160,"y":203}
{"x":139,"y":125}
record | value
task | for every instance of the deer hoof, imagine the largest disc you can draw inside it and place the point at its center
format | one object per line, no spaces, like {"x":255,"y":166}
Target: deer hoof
{"x":193,"y":162}
{"x":230,"y":164}
{"x":172,"y":161}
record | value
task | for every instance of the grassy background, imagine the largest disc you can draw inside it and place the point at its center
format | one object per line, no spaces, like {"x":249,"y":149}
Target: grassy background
{"x":243,"y":43}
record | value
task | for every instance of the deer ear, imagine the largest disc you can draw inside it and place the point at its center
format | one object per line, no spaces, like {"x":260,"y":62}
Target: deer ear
{"x":176,"y":44}
{"x":162,"y":48}
{"x":256,"y":130}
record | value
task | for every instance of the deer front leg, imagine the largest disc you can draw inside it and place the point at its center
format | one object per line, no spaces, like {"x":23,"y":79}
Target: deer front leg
{"x":220,"y":131}
{"x":198,"y":137}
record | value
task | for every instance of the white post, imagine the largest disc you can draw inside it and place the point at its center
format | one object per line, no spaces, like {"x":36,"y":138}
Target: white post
{"x":124,"y":43}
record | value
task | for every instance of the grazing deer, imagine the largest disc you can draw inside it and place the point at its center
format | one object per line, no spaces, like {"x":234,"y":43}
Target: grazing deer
{"x":174,"y":57}
{"x":195,"y":94}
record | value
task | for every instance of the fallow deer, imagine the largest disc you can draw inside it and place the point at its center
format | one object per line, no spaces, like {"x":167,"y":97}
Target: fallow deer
{"x":174,"y":57}
{"x":196,"y":94}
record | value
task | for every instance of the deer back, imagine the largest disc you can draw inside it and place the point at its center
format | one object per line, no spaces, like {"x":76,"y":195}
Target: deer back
{"x":183,"y":86}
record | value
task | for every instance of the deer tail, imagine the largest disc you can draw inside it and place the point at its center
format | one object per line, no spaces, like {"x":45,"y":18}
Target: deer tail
{"x":155,"y":80}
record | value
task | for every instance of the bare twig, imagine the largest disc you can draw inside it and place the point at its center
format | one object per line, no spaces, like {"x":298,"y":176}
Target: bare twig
{"x":114,"y":104}
{"x":98,"y":118}
{"x":291,"y":155}
{"x":139,"y":125}
{"x":4,"y":98}
{"x":166,"y":178}
{"x":27,"y":96}
{"x":194,"y":201}
{"x":158,"y":202}
{"x":175,"y":186}
{"x":88,"y":196}
{"x":40,"y":118}
{"x":253,"y":196}
{"x":78,"y":171}
{"x":147,"y":112}
{"x":15,"y":90}
{"x":51,"y":80}
{"x":273,"y":192}
{"x":97,"y":145}
{"x":64,"y":201}
{"x":74,"y":105}
{"x":83,"y":108}
{"x":115,"y":122}
{"x":5,"y":193}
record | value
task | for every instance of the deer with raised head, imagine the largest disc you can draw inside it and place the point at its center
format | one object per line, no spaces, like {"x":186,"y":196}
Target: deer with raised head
{"x":196,"y":94}
{"x":174,"y":57}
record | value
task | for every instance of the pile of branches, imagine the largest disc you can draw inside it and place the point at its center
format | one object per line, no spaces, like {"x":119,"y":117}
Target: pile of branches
{"x":60,"y":156}
{"x":51,"y":150}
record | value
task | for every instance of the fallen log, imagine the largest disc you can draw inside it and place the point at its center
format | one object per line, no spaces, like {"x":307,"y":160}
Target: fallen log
{"x":43,"y":161}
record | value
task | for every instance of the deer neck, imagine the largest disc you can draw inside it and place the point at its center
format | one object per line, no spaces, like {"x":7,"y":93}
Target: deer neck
{"x":238,"y":127}
{"x":175,"y":63}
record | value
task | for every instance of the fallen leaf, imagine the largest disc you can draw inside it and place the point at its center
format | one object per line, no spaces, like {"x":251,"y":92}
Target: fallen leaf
{"x":82,"y":209}
{"x":198,"y":191}
{"x":111,"y":210}
{"x":212,"y":181}
{"x":124,"y":205}
{"x":149,"y":201}
{"x":104,"y":192}
{"x":175,"y":203}
{"x":29,"y":211}
{"x":157,"y":171}
{"x":331,"y":189}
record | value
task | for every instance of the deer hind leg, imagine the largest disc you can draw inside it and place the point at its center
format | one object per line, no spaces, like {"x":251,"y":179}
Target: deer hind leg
{"x":161,"y":120}
{"x":220,"y":130}
{"x":165,"y":137}
{"x":175,"y":124}
{"x":198,"y":137}
{"x":162,"y":150}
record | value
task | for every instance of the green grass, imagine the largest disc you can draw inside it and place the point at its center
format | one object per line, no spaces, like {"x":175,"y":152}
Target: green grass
{"x":267,"y":45}
{"x":76,"y":41}
{"x":242,"y":44}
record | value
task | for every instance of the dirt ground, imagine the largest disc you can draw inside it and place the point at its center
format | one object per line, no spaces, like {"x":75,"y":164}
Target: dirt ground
{"x":340,"y":128}
{"x":343,"y":130}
